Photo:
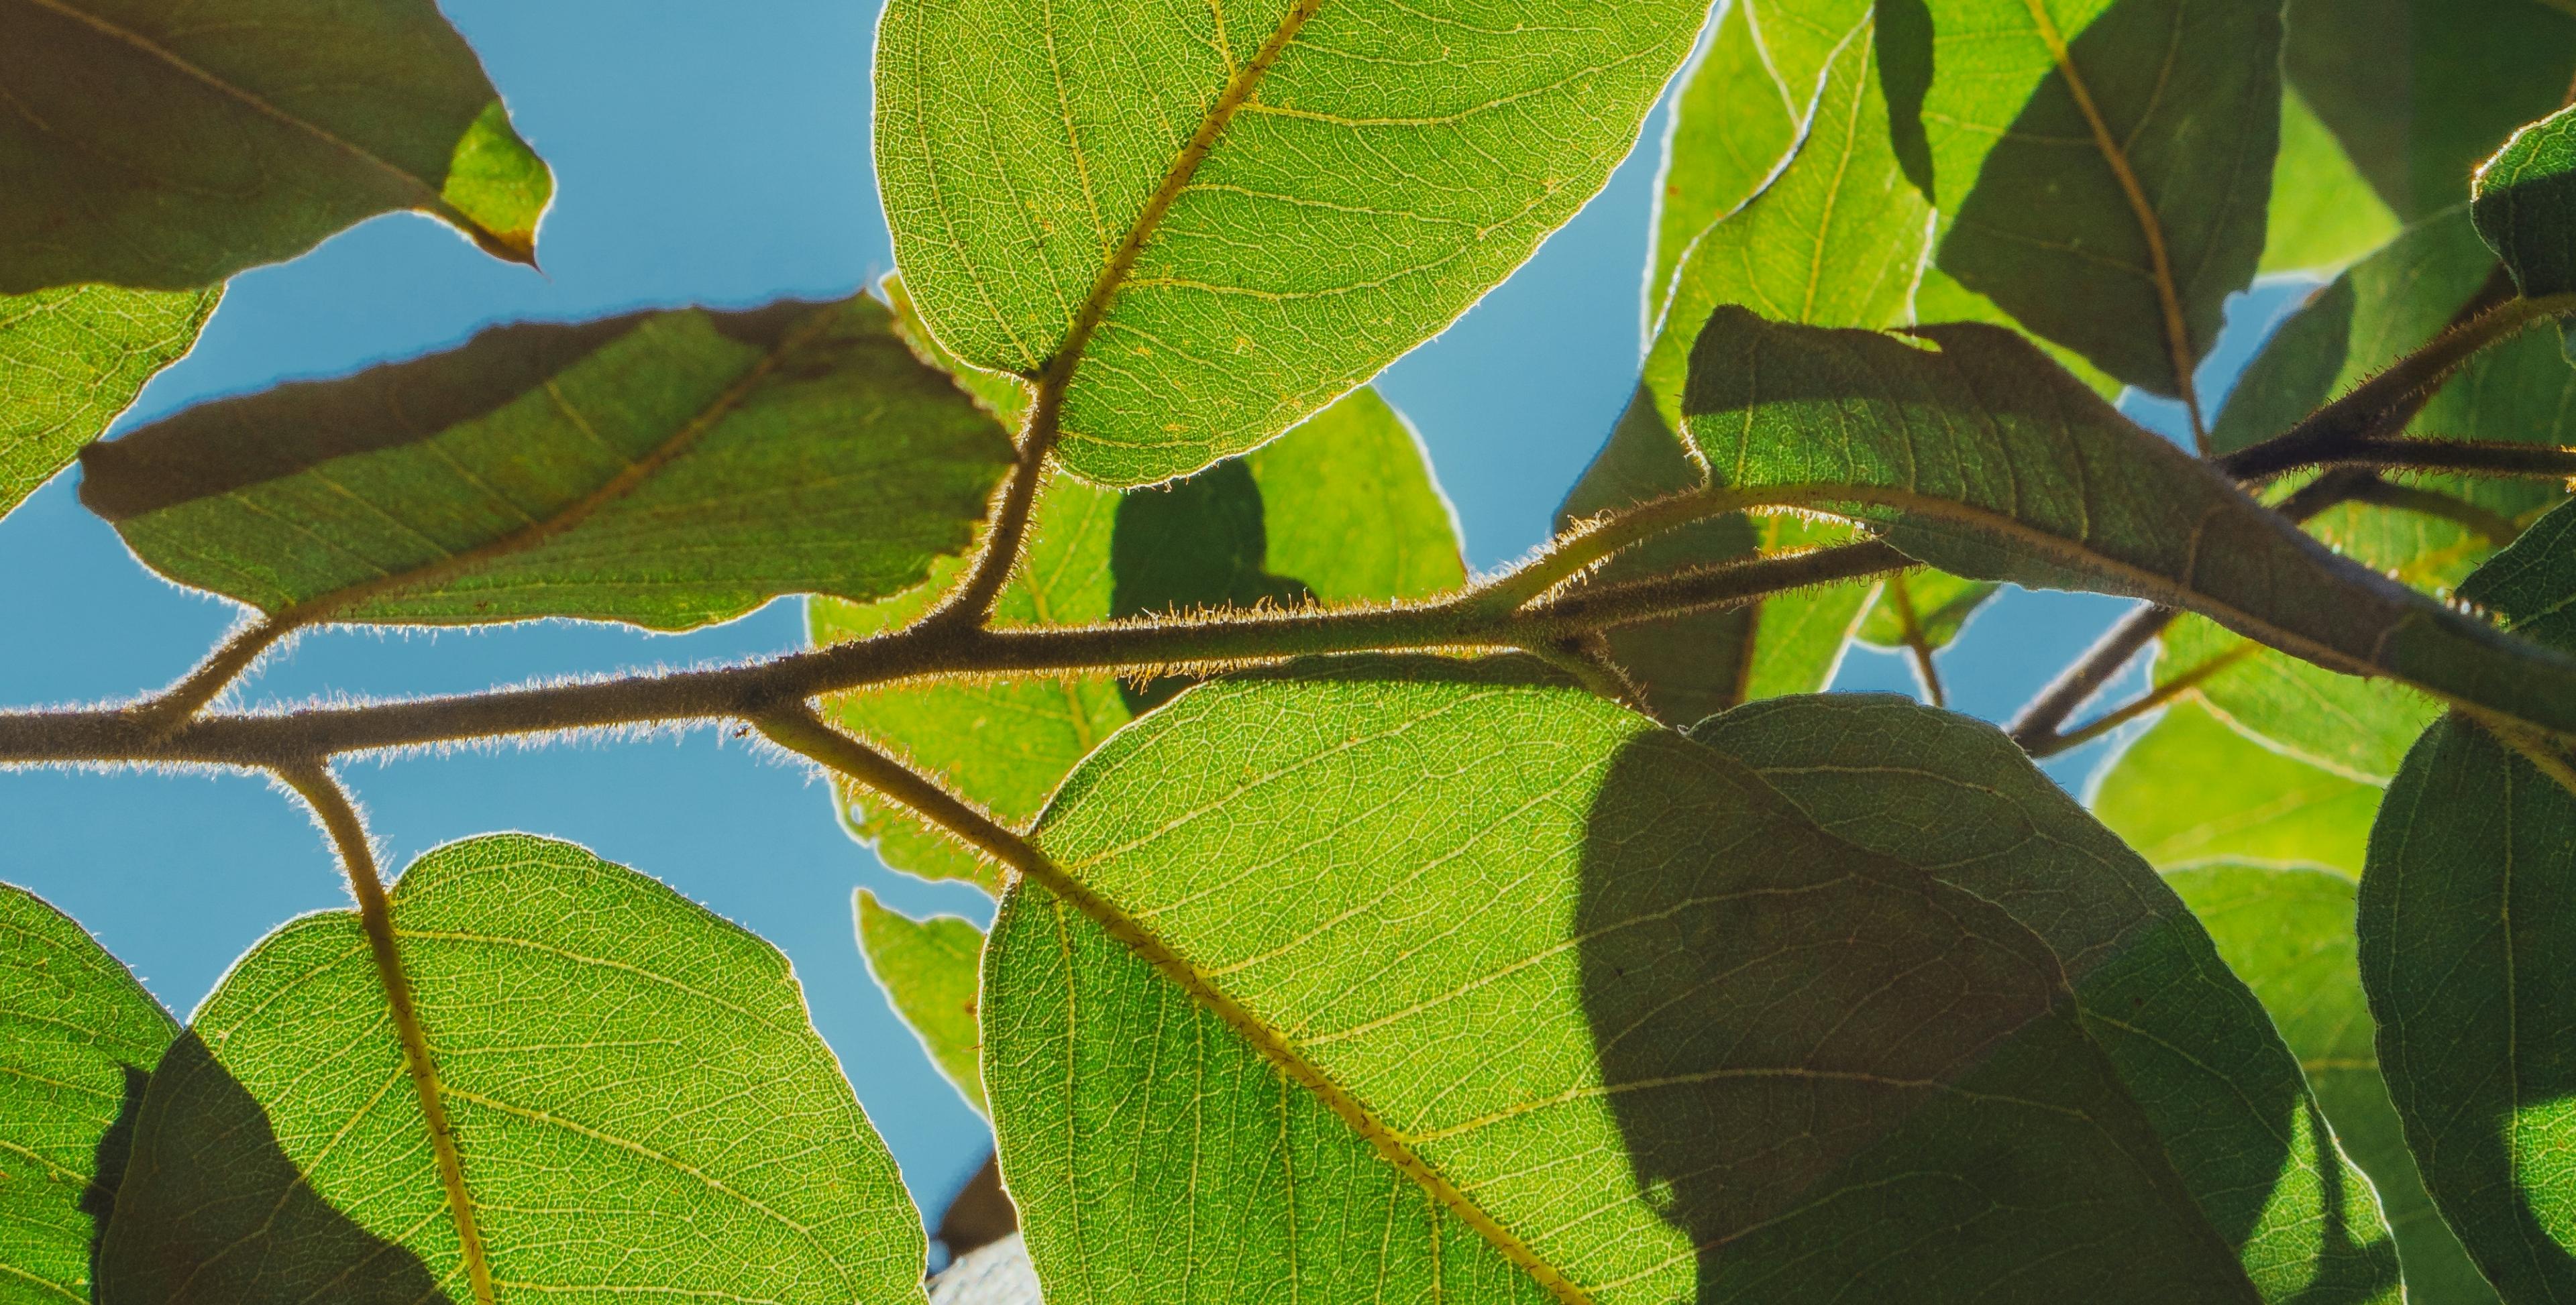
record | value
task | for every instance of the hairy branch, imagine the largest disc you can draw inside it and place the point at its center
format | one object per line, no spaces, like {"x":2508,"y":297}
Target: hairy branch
{"x":312,"y":781}
{"x":2467,"y":457}
{"x":751,"y":691}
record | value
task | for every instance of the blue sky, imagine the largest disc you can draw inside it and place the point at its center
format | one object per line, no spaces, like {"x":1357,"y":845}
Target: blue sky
{"x":706,"y":154}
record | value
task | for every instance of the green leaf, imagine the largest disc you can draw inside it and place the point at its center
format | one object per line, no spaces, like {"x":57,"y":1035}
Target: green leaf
{"x":2524,"y":203}
{"x":71,"y":360}
{"x":2465,"y":924}
{"x":668,"y":469}
{"x":2101,"y":167}
{"x":1954,"y":797}
{"x":2324,"y":215}
{"x":78,"y":1040}
{"x":1342,"y":509}
{"x":1836,"y":239}
{"x":168,"y":146}
{"x":2465,"y":919}
{"x":2288,"y":933}
{"x":1985,"y":461}
{"x":1744,"y":102}
{"x":2357,"y":728}
{"x":2419,"y":90}
{"x":1597,"y":990}
{"x":927,"y":968}
{"x":1941,"y":605}
{"x":2192,"y":791}
{"x":1222,"y":219}
{"x":639,"y":1100}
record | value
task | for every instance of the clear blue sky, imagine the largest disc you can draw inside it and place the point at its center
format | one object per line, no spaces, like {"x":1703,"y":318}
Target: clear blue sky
{"x":704,"y":154}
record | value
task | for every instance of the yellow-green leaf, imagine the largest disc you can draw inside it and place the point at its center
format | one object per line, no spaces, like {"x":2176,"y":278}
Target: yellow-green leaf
{"x":927,"y":968}
{"x":71,"y":360}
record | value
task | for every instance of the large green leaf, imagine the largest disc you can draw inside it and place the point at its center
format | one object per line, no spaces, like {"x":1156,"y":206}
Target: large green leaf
{"x":1597,"y":990}
{"x":1258,"y":207}
{"x":2468,"y":909}
{"x":668,"y":469}
{"x":71,"y":360}
{"x":2102,"y":166}
{"x":1984,"y":460}
{"x":1742,"y":106}
{"x":2289,"y":934}
{"x":640,"y":1103}
{"x":2192,"y":791}
{"x":1954,"y":797}
{"x":169,"y":145}
{"x":2419,"y":90}
{"x":927,"y":968}
{"x":1343,"y":509}
{"x":2324,"y":214}
{"x":78,"y":1040}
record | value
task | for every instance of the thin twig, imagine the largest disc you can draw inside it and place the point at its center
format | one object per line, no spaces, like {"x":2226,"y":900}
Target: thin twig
{"x":225,"y":664}
{"x":1591,"y":542}
{"x":2466,"y":457}
{"x":2382,"y":405}
{"x":2140,"y":705}
{"x":2036,"y":727}
{"x":339,"y":816}
{"x":1910,"y":628}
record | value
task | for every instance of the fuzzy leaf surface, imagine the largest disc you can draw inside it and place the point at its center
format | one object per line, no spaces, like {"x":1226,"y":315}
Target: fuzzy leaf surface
{"x":2288,"y":933}
{"x":1957,"y":799}
{"x":1258,"y":207}
{"x":2324,"y":213}
{"x":639,"y":1099}
{"x":2103,"y":166}
{"x":78,"y":1041}
{"x":2524,"y":203}
{"x":668,"y":469}
{"x":167,"y":145}
{"x":1984,"y":460}
{"x":72,"y":359}
{"x":1576,"y":976}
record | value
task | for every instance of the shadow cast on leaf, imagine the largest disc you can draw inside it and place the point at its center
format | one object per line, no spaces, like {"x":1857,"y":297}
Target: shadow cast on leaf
{"x":211,"y":1209}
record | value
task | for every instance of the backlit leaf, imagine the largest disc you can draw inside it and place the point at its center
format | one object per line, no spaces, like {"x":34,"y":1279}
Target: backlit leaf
{"x":1955,"y":797}
{"x":2191,"y":791}
{"x":2102,"y":166}
{"x":2524,"y":204}
{"x":1343,"y":509}
{"x":1984,"y":460}
{"x":2466,"y":918}
{"x":1260,"y":207}
{"x":668,"y":469}
{"x":2324,"y":213}
{"x":2419,"y":91}
{"x":927,"y":968}
{"x":78,"y":1040}
{"x":2288,"y":934}
{"x":639,"y":1100}
{"x":167,"y":145}
{"x":1743,"y":105}
{"x":1579,"y":977}
{"x":71,"y":360}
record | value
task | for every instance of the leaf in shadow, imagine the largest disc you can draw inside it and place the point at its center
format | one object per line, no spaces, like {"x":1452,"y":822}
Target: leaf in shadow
{"x":213,"y":1210}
